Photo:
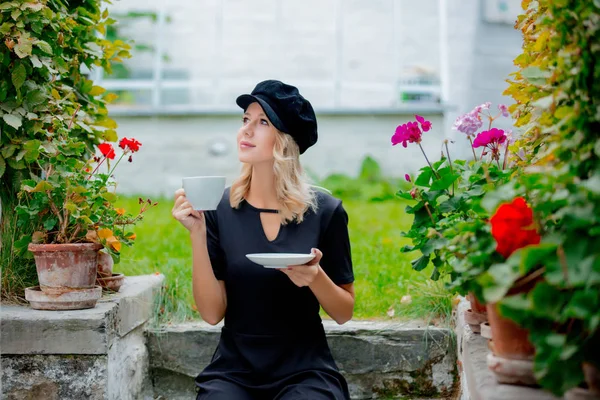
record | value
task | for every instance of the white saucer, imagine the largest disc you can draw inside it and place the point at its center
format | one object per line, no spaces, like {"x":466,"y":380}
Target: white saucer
{"x":279,"y":260}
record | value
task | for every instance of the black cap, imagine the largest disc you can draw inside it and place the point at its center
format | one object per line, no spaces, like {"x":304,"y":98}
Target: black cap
{"x":286,"y":109}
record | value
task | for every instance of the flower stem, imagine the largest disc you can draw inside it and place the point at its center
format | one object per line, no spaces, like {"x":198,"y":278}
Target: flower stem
{"x":115,"y":166}
{"x":427,"y":159}
{"x":97,"y":166}
{"x":505,"y":155}
{"x":429,"y":212}
{"x":449,"y":163}
{"x":472,"y":148}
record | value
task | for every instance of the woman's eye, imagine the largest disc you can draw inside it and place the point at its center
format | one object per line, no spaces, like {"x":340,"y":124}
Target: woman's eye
{"x":245,"y":120}
{"x":264,"y":122}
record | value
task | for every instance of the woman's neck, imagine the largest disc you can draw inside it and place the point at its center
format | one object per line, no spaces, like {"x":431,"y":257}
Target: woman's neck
{"x":262,"y":192}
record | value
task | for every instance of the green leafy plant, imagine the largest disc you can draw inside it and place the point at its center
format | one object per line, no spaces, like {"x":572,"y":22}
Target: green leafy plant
{"x":73,"y":202}
{"x":51,"y":114}
{"x":448,"y":216}
{"x":557,"y":94}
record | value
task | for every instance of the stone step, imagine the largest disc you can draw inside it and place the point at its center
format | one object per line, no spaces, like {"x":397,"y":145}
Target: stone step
{"x":99,"y":353}
{"x":379,"y":359}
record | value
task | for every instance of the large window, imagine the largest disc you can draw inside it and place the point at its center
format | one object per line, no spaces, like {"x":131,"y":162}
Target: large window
{"x":197,"y":55}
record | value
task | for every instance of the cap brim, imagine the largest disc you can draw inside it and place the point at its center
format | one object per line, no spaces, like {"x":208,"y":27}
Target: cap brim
{"x":246,"y":99}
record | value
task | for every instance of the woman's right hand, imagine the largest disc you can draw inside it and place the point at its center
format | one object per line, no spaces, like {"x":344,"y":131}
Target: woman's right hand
{"x":183,"y":212}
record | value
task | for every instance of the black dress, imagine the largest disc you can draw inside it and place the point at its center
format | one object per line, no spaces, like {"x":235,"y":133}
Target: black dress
{"x":272,"y":344}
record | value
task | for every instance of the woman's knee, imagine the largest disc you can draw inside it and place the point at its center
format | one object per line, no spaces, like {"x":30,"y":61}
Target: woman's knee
{"x":219,"y":389}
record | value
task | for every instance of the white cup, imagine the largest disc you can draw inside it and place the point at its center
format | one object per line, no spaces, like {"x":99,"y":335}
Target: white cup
{"x":204,"y":192}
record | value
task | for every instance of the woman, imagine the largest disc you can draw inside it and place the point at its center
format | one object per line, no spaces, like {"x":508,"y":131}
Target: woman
{"x":272,"y":344}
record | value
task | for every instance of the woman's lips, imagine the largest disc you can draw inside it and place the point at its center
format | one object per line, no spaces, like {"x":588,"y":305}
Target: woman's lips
{"x":246,"y":145}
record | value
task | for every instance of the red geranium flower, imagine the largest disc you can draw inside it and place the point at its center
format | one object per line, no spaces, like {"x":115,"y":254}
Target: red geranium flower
{"x":132,"y":144}
{"x":512,"y":227}
{"x":107,"y":150}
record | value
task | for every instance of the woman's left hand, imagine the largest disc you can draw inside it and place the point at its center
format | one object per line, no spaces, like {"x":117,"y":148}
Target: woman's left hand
{"x":304,"y":275}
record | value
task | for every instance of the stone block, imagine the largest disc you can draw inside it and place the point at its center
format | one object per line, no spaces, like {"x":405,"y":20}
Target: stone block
{"x":98,"y":353}
{"x":27,"y":377}
{"x":478,"y":382}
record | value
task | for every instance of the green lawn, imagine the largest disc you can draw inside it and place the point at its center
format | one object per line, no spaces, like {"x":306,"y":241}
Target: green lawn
{"x":383,"y":274}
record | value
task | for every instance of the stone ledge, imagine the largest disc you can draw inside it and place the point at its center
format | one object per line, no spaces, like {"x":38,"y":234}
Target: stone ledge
{"x":378,"y":358}
{"x":478,"y":382}
{"x":29,"y":331}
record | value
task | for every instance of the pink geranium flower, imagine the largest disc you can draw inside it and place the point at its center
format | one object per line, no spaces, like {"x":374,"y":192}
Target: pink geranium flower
{"x":492,"y":140}
{"x":468,"y":123}
{"x":407,"y":133}
{"x":504,"y":110}
{"x":425,"y":125}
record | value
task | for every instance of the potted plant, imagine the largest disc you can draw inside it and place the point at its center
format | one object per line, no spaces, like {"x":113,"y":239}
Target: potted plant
{"x":52,"y":116}
{"x":72,"y":206}
{"x":557,"y":99}
{"x":448,"y":214}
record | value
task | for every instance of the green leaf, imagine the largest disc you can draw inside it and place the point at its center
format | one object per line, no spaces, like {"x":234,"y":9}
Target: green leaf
{"x":110,"y":197}
{"x":544,"y":102}
{"x":33,"y":6}
{"x":424,"y":177}
{"x":16,"y":13}
{"x":3,"y":89}
{"x":420,"y":263}
{"x":18,"y":75}
{"x":532,"y":257}
{"x":50,"y":223}
{"x":110,"y":135}
{"x":562,"y":111}
{"x":35,"y":61}
{"x":5,"y":27}
{"x":444,"y":182}
{"x":33,"y":150}
{"x":23,"y":49}
{"x":44,"y":46}
{"x":35,"y":97}
{"x":13,"y":120}
{"x":593,"y":184}
{"x":582,"y":305}
{"x":8,"y":5}
{"x":42,"y":186}
{"x":2,"y":166}
{"x":535,"y":75}
{"x":404,"y":195}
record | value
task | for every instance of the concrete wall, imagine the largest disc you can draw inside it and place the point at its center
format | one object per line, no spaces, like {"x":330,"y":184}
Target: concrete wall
{"x":377,"y":43}
{"x":206,"y":145}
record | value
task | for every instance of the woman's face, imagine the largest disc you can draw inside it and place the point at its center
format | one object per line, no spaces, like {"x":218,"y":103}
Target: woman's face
{"x":256,"y":136}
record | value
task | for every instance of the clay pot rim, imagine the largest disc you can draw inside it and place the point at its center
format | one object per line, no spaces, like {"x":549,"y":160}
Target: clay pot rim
{"x":115,"y":276}
{"x":61,"y":247}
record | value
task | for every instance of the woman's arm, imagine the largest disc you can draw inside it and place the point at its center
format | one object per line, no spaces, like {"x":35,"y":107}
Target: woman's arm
{"x":209,"y":293}
{"x":337,"y":301}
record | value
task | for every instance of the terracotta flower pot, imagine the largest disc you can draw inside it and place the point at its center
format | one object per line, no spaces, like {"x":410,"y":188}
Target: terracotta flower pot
{"x":510,"y":340}
{"x":65,"y":267}
{"x":476,"y":306}
{"x":105,"y":264}
{"x":592,"y":377}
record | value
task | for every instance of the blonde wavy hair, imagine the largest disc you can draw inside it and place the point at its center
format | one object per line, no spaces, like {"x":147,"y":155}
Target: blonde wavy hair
{"x":294,"y":193}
